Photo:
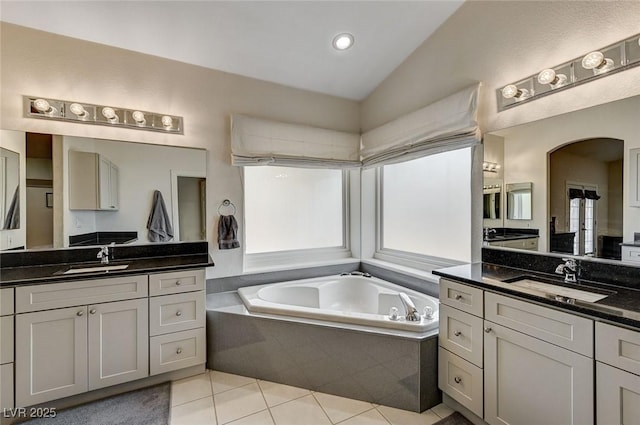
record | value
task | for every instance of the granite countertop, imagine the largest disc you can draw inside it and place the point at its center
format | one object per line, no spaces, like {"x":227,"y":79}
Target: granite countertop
{"x":621,"y":306}
{"x":51,"y":273}
{"x":509,"y":237}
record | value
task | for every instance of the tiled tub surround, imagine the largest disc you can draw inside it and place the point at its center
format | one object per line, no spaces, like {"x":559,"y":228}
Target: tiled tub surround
{"x":390,"y":367}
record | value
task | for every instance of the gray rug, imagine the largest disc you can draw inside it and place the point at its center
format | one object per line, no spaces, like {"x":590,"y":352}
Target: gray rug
{"x":454,"y":419}
{"x":148,"y":406}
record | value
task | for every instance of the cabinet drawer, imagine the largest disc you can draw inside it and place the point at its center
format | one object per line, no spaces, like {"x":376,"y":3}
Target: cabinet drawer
{"x":6,"y":301}
{"x":565,"y":330}
{"x":461,"y":333}
{"x":6,"y":386}
{"x":67,"y":294}
{"x":461,"y":296}
{"x":461,"y":380}
{"x":178,"y":312}
{"x":6,"y":339}
{"x":176,"y":350}
{"x":618,"y":347}
{"x":173,"y":283}
{"x":617,"y":396}
{"x":631,"y":253}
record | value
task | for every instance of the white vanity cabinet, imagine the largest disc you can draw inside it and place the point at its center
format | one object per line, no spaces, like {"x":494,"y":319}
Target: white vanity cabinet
{"x":93,"y":182}
{"x":6,"y":348}
{"x":530,"y":244}
{"x":514,"y":362}
{"x":617,"y":375}
{"x":66,"y":351}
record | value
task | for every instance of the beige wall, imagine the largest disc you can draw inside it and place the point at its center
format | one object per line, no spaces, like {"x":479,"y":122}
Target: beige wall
{"x":42,"y":64}
{"x":499,"y":42}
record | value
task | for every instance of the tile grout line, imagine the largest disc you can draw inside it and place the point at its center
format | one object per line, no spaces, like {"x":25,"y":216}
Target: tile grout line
{"x":382,"y":414}
{"x":355,"y":416}
{"x":321,"y":407}
{"x":266,"y":404}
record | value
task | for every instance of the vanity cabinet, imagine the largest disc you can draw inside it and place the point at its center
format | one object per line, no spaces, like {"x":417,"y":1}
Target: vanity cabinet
{"x":93,"y":182}
{"x":617,"y":375}
{"x":67,"y":351}
{"x":630,"y":253}
{"x":634,"y":177}
{"x":530,"y":244}
{"x":6,"y":347}
{"x":514,"y":362}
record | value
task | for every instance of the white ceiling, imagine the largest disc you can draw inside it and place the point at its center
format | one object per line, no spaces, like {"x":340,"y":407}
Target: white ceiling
{"x":285,"y":42}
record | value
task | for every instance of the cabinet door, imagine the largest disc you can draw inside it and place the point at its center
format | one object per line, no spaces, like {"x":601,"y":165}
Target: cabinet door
{"x":51,"y":355}
{"x":108,"y":184}
{"x":6,"y":386}
{"x":634,"y":178}
{"x":617,"y":396}
{"x":118,"y":342}
{"x":530,"y":382}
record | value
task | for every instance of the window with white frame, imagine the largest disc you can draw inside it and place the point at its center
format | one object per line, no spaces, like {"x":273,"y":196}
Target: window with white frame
{"x":290,"y":209}
{"x":425,"y":208}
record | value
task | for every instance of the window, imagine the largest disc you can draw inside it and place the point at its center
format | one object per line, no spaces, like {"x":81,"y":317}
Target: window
{"x":425,"y":208}
{"x":291,"y":209}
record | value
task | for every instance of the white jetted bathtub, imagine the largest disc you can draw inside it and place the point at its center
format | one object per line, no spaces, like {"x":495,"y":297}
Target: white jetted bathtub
{"x":346,"y":299}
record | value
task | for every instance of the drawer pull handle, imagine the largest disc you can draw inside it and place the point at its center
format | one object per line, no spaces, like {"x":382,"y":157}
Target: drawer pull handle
{"x":80,"y":313}
{"x":178,"y":313}
{"x":458,"y":297}
{"x":487,"y":329}
{"x":179,"y":350}
{"x":457,"y":333}
{"x":457,"y":379}
{"x":178,"y":283}
{"x":92,"y":311}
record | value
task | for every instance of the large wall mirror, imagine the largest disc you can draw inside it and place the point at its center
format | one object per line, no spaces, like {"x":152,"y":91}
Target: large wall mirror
{"x":9,"y":189}
{"x":84,"y":191}
{"x":579,"y":165}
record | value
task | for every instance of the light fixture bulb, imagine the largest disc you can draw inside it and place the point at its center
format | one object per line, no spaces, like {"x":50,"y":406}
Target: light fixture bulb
{"x":597,"y":62}
{"x":513,"y":92}
{"x":78,"y":109}
{"x":167,"y":121}
{"x":549,"y":76}
{"x":109,"y":114}
{"x":138,"y":117}
{"x":43,"y":106}
{"x":342,"y":41}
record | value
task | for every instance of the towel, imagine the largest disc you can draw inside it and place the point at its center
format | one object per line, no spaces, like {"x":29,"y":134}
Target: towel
{"x":228,"y":232}
{"x":159,"y":226}
{"x":12,"y":219}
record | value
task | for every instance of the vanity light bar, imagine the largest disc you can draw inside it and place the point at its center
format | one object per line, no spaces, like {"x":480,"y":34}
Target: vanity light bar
{"x":491,"y":167}
{"x":608,"y":60}
{"x":87,"y":113}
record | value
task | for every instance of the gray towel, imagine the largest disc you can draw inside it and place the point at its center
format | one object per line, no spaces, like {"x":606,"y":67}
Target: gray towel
{"x":228,"y":232}
{"x":12,"y":219}
{"x":159,"y":226}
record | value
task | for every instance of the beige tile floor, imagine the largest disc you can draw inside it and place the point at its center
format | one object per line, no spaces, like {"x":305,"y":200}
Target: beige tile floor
{"x":217,"y":398}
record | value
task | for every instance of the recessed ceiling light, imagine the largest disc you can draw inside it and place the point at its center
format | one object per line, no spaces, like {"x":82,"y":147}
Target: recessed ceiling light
{"x":342,"y":41}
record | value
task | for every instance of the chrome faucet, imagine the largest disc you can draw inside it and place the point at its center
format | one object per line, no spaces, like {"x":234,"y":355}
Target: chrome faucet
{"x":488,"y":231}
{"x":103,"y":254}
{"x":569,"y":269}
{"x":409,"y":308}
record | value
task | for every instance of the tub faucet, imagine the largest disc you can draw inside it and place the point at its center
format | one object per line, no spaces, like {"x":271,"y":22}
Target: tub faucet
{"x":103,"y":254}
{"x":409,"y":308}
{"x":570,"y":269}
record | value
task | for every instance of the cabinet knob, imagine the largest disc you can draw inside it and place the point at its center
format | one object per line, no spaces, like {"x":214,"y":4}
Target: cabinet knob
{"x":488,"y":329}
{"x":179,"y":350}
{"x":458,"y":297}
{"x":178,"y":313}
{"x":80,"y":313}
{"x":178,"y":283}
{"x":457,"y":333}
{"x":457,"y":379}
{"x":92,"y":311}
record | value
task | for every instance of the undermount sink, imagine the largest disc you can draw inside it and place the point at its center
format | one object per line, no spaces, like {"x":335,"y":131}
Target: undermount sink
{"x":556,"y":292}
{"x":102,"y":268}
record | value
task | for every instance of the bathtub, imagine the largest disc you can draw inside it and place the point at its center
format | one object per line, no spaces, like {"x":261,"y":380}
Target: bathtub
{"x":358,"y":300}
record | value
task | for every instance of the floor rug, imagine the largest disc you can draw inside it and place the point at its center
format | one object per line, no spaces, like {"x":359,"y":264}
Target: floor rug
{"x":148,"y":406}
{"x":454,"y":419}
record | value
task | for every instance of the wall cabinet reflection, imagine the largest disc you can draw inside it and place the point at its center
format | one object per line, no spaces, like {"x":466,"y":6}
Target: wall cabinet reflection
{"x":519,"y":201}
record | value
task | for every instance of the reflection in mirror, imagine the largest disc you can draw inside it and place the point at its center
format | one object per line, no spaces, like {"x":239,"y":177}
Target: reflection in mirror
{"x":519,"y":201}
{"x":116,"y":181}
{"x":9,"y":189}
{"x":492,"y":199}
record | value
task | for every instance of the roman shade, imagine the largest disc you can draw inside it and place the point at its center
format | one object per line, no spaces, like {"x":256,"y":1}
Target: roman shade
{"x":448,"y":124}
{"x":256,"y":141}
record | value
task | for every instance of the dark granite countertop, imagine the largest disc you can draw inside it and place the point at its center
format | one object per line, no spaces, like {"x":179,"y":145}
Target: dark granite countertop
{"x":509,"y":237}
{"x":622,"y":306}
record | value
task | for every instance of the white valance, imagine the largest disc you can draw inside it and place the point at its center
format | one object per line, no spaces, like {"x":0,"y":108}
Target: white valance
{"x":256,"y":141}
{"x":448,"y":124}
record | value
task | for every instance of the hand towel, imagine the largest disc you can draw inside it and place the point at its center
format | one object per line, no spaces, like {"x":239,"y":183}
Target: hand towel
{"x":12,"y":220}
{"x":159,"y":226}
{"x":228,"y":232}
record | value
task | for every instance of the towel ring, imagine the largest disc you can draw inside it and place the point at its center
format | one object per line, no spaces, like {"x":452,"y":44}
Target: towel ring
{"x":227,"y":203}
